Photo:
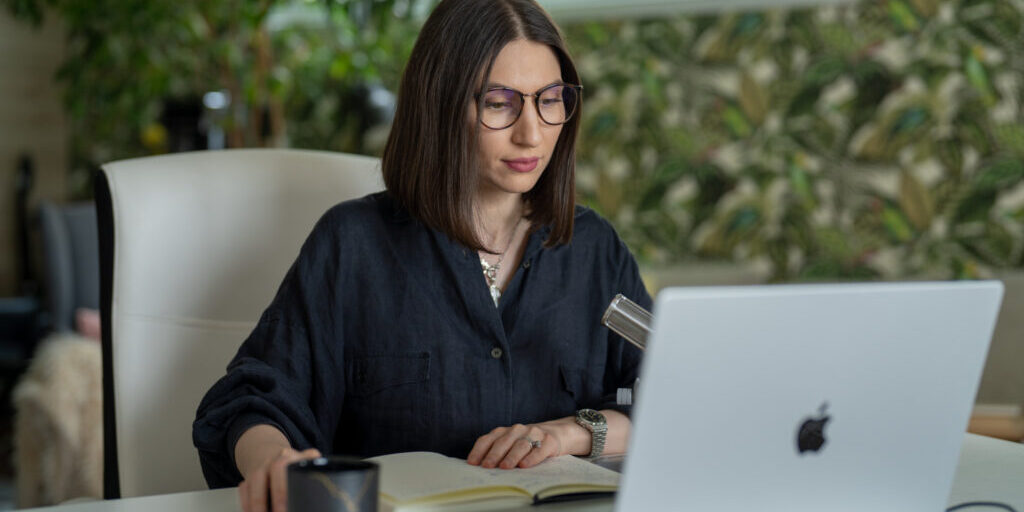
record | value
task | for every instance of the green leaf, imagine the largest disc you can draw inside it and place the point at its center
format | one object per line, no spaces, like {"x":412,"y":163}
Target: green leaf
{"x":803,"y":102}
{"x":978,"y":78}
{"x":736,"y":122}
{"x":950,"y":153}
{"x":993,"y":244}
{"x":824,"y":71}
{"x":975,"y":206}
{"x":876,"y":147}
{"x":28,"y":10}
{"x":926,"y":8}
{"x":747,"y":25}
{"x":903,"y":16}
{"x":1011,"y":138}
{"x":743,"y":220}
{"x":896,"y":225}
{"x":801,"y":185}
{"x":597,"y":33}
{"x":664,"y":176}
{"x":340,"y":67}
{"x":915,"y":201}
{"x":1000,"y":175}
{"x":969,"y":269}
{"x":606,"y":122}
{"x":910,"y":120}
{"x":753,"y":99}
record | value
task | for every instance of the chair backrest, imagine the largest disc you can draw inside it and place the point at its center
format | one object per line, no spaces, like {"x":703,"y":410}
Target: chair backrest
{"x":193,"y":247}
{"x":70,"y":247}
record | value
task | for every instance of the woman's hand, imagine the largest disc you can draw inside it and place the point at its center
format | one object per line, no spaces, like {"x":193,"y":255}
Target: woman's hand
{"x":262,"y":455}
{"x":515,"y":446}
{"x":526,"y":445}
{"x":272,"y":475}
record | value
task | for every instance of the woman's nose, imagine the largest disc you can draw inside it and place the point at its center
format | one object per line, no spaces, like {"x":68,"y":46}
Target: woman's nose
{"x":526,"y":131}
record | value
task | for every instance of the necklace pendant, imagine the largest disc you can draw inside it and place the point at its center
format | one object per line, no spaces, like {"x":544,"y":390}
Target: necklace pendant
{"x":490,"y":271}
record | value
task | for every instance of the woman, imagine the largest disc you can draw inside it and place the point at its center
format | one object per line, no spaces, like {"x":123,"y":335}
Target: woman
{"x":459,"y":311}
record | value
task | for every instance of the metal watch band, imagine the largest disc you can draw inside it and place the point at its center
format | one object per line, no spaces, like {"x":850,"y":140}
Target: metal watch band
{"x":597,"y":436}
{"x":598,"y":429}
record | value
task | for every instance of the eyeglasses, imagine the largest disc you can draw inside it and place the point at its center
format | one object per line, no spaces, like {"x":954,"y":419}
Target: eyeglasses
{"x":501,"y":106}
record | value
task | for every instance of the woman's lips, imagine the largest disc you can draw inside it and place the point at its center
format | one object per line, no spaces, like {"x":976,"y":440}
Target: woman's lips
{"x":522,"y":164}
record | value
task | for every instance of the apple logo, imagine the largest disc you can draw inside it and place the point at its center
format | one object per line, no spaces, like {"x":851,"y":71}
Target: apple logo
{"x":810,"y":437}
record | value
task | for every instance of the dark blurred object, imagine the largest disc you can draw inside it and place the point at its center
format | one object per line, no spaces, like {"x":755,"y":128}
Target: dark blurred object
{"x":216,"y":109}
{"x":19,"y":331}
{"x":24,"y":180}
{"x":20,"y":319}
{"x":374,"y":105}
{"x":182,"y":118}
{"x":72,"y":259}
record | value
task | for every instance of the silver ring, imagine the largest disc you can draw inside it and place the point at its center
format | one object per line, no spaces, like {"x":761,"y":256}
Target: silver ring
{"x":533,"y":443}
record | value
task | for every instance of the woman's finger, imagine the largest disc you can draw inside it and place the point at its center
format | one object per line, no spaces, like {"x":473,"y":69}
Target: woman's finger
{"x":550,"y":446}
{"x":502,"y":445}
{"x":279,"y":476}
{"x":257,"y":490}
{"x":480,"y":448}
{"x":483,"y":445}
{"x":519,"y":449}
{"x":243,"y":495}
{"x":279,"y":480}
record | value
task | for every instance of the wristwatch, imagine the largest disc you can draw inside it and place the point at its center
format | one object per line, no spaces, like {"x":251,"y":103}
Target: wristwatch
{"x":598,"y":427}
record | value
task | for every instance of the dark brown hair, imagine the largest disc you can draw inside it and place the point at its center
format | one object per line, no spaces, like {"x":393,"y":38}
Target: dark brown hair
{"x":429,"y":161}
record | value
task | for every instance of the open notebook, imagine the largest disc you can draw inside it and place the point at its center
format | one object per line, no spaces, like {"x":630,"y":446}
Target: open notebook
{"x":425,"y":481}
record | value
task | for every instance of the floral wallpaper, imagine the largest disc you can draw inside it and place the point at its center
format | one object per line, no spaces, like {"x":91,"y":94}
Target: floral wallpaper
{"x":881,"y":139}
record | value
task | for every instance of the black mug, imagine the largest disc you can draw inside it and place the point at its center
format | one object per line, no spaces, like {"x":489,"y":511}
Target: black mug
{"x":333,"y":484}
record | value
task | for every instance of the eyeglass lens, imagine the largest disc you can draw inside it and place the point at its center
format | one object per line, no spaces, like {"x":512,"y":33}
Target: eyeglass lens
{"x":501,"y":107}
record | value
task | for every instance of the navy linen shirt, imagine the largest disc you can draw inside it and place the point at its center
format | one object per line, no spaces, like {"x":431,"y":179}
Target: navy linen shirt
{"x":383,"y":338}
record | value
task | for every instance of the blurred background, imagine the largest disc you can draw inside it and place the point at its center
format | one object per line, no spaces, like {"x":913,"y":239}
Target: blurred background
{"x":734,"y":141}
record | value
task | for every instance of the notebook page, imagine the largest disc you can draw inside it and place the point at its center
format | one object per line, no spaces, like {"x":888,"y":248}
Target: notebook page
{"x":415,"y":475}
{"x":558,"y":471}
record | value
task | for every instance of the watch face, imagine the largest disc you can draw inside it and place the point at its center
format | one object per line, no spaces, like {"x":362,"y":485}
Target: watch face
{"x":591,"y":416}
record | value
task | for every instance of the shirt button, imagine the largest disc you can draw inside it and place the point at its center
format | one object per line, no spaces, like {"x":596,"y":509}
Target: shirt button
{"x":526,"y":264}
{"x":496,"y":353}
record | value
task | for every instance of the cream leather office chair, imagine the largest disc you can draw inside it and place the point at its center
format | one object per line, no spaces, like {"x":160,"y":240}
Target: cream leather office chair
{"x":193,"y":247}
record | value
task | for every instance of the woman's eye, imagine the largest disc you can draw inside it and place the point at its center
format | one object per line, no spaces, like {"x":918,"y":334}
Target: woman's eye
{"x":496,"y":105}
{"x":550,"y":101}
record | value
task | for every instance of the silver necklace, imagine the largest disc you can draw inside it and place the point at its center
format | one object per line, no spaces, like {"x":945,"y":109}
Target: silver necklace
{"x":491,"y":271}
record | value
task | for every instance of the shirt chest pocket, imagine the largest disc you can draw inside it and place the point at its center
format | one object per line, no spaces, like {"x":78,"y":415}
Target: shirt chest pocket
{"x":389,"y":400}
{"x":399,"y":373}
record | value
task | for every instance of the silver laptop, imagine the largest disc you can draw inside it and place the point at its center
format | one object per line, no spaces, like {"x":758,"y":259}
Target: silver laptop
{"x":807,"y":397}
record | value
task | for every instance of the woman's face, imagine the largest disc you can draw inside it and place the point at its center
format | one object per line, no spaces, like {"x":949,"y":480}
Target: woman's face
{"x":512,"y":159}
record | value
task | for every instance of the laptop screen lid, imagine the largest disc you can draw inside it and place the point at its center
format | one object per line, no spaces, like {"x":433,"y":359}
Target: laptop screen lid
{"x":807,"y":397}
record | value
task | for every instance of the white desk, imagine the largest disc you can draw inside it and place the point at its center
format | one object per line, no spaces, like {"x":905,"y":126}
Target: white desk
{"x":989,"y":470}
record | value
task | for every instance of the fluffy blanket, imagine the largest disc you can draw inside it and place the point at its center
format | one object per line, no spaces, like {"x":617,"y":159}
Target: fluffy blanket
{"x":58,"y":424}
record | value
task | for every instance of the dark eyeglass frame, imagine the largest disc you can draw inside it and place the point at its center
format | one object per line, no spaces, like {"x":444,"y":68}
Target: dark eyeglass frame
{"x":536,"y":103}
